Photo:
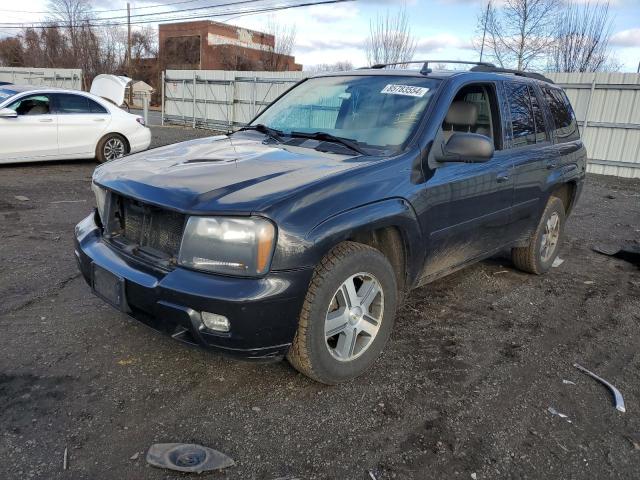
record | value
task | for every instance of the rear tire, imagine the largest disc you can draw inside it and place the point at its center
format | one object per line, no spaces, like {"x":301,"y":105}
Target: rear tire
{"x":538,"y":256}
{"x":110,"y":147}
{"x":347,"y":315}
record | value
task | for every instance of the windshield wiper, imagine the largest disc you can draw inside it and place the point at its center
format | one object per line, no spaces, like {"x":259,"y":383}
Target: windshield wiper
{"x":351,"y":144}
{"x":262,"y":128}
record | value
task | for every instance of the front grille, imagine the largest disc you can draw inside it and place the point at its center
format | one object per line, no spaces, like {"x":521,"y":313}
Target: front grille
{"x":151,"y":227}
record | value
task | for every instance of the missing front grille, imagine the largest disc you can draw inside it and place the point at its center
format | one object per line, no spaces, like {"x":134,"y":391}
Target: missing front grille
{"x":151,"y":227}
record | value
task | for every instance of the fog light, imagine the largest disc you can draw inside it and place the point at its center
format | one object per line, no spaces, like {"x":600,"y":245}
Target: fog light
{"x":213,"y":321}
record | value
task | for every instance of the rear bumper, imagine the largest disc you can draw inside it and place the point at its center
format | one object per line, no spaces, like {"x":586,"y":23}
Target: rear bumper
{"x":263,"y":312}
{"x":139,"y":140}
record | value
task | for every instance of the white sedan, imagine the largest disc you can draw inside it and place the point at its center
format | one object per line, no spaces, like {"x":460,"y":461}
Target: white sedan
{"x":44,"y":123}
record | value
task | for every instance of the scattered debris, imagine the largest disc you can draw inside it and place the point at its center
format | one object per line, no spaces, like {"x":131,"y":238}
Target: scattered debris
{"x":372,"y":475}
{"x":634,"y":438}
{"x":134,"y":456}
{"x":500,"y":271}
{"x":68,"y":201}
{"x":610,"y":197}
{"x":125,"y":361}
{"x":256,"y":409}
{"x":21,"y":198}
{"x":65,"y":459}
{"x":186,"y":457}
{"x":474,"y":476}
{"x":629,"y":253}
{"x":557,"y":262}
{"x":589,"y":282}
{"x":568,"y":382}
{"x":619,"y":401}
{"x":553,"y":411}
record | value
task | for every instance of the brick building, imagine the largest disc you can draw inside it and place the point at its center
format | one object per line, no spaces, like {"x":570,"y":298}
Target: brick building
{"x":207,"y":45}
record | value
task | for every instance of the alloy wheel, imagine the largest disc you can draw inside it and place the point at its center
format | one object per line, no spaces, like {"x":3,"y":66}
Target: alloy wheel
{"x":354,"y":317}
{"x":114,"y":148}
{"x":550,"y":237}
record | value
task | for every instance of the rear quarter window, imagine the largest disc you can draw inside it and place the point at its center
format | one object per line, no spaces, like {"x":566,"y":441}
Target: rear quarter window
{"x":565,"y":124}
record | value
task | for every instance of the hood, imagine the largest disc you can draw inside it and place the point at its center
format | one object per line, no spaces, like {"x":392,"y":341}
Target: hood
{"x":220,"y":174}
{"x":110,"y":87}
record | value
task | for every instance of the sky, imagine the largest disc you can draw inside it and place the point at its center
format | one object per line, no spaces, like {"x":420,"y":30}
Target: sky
{"x":444,"y":29}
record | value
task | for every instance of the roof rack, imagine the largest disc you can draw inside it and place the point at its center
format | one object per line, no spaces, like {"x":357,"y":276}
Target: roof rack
{"x":478,"y":67}
{"x":519,"y":73}
{"x":425,"y":67}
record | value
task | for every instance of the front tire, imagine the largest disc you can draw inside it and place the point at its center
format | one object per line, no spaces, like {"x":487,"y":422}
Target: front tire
{"x":538,"y":256}
{"x":110,"y":147}
{"x":347,"y":316}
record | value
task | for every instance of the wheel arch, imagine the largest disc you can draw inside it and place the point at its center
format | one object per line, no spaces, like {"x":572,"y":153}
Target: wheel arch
{"x":120,"y":134}
{"x":390,"y":226}
{"x":566,"y":192}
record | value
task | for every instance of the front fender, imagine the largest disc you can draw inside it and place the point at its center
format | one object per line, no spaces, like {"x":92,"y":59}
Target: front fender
{"x":394,"y":212}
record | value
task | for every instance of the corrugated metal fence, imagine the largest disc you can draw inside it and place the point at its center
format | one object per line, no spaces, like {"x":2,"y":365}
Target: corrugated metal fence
{"x":223,"y":100}
{"x":607,"y":106}
{"x":48,"y":77}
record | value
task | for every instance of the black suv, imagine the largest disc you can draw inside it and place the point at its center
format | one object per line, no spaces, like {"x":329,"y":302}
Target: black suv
{"x":300,"y":234}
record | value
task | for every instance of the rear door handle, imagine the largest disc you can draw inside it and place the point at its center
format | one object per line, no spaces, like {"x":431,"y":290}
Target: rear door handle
{"x":98,"y":119}
{"x":502,"y":177}
{"x":46,"y":120}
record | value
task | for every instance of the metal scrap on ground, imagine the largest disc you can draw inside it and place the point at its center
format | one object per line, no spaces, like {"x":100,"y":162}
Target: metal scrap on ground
{"x":619,"y":401}
{"x":186,"y":457}
{"x":557,"y":262}
{"x":629,"y":253}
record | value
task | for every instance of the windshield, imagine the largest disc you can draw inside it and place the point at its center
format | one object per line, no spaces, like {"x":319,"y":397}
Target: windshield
{"x":5,"y":94}
{"x":376,"y":111}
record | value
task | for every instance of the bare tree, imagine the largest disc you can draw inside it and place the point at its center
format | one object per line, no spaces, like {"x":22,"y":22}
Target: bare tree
{"x":12,"y":52}
{"x":284,"y":40}
{"x":518,"y":33}
{"x":581,"y":39}
{"x":74,"y":16}
{"x":341,"y":66}
{"x":390,"y":39}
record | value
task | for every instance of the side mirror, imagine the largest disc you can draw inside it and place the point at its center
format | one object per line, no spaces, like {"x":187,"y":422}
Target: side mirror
{"x":8,"y":113}
{"x":466,"y":147}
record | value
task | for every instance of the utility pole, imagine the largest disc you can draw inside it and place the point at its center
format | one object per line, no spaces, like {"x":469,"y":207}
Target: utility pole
{"x":484,"y":33}
{"x":129,"y":74}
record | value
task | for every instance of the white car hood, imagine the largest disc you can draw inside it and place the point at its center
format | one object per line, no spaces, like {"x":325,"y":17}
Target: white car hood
{"x":110,"y":87}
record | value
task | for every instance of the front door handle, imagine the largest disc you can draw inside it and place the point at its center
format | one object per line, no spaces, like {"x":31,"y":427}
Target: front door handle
{"x":98,"y":119}
{"x":502,"y":177}
{"x":46,"y":120}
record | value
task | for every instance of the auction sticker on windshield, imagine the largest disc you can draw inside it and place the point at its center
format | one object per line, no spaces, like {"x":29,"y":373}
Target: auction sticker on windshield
{"x":408,"y":90}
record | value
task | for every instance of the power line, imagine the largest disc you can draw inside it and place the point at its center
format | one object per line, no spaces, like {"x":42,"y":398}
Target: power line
{"x":167,"y":12}
{"x":188,"y":17}
{"x":145,"y":7}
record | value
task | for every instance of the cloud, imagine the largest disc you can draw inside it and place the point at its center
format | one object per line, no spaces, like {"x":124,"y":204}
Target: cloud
{"x":439,"y":42}
{"x":312,"y":44}
{"x":333,"y":13}
{"x":626,"y":38}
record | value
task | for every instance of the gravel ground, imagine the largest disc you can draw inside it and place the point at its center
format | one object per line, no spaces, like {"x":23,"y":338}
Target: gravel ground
{"x":463,"y":388}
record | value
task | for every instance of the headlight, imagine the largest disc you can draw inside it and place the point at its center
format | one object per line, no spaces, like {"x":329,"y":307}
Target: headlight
{"x":235,"y":246}
{"x":101,"y":201}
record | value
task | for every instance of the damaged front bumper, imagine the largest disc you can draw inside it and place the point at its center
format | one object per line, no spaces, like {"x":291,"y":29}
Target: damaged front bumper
{"x":262,"y":312}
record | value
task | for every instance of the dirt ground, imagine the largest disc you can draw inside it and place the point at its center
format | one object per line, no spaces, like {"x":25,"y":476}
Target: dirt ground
{"x":462,"y":390}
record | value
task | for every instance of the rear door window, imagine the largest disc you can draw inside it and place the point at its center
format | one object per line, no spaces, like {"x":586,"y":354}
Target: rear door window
{"x":565,"y":125}
{"x":522,"y":119}
{"x":538,"y":117}
{"x":68,"y":103}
